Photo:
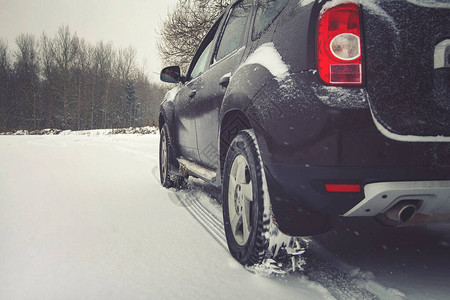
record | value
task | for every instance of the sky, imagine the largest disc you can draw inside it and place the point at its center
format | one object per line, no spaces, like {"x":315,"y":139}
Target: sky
{"x":123,"y":22}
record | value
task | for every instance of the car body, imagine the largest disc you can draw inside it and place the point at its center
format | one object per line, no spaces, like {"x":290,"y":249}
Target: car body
{"x":352,"y":122}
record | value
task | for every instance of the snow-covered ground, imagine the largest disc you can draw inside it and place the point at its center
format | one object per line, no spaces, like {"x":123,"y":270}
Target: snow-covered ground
{"x":84,"y":217}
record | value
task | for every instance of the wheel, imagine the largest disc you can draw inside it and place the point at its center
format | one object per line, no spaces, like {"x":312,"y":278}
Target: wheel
{"x":246,"y":209}
{"x":166,"y":160}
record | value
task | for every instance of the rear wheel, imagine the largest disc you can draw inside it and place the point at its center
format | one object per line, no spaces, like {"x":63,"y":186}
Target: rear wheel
{"x":246,"y":209}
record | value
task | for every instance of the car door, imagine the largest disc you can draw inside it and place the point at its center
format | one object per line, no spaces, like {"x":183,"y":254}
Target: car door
{"x":184,"y":101}
{"x":185,"y":132}
{"x":212,"y":84}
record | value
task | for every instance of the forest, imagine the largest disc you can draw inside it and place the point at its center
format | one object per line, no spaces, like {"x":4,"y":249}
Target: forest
{"x":64,"y":82}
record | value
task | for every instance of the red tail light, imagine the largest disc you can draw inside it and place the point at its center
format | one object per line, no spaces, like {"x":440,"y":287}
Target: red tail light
{"x":339,"y":58}
{"x":343,"y":188}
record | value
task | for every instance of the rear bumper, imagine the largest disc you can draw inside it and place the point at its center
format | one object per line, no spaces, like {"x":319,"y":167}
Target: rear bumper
{"x":301,"y":187}
{"x":433,"y":196}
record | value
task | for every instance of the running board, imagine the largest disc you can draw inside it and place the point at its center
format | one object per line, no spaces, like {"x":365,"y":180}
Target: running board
{"x":196,"y":170}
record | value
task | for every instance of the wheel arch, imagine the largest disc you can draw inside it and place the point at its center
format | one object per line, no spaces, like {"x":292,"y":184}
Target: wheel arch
{"x":232,"y":122}
{"x":166,"y":117}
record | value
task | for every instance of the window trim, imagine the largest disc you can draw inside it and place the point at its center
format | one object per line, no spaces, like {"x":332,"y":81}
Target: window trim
{"x":228,"y":55}
{"x":242,"y":42}
{"x":209,"y":37}
{"x":206,"y":68}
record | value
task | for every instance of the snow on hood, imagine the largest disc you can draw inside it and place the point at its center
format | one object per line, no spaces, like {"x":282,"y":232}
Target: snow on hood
{"x":267,"y":56}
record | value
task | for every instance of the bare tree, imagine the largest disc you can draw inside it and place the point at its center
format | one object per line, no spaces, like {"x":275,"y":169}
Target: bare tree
{"x":65,"y":51}
{"x":183,"y":30}
{"x":26,"y":80}
{"x":103,"y":65}
{"x":5,"y":73}
{"x":81,"y":73}
{"x":49,"y":75}
{"x":126,"y":64}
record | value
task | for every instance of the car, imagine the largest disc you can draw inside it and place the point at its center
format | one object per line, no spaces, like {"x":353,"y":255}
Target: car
{"x":305,"y":111}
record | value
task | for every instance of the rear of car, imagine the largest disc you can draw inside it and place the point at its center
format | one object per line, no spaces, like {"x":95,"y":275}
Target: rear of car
{"x":321,"y":109}
{"x":362,"y":122}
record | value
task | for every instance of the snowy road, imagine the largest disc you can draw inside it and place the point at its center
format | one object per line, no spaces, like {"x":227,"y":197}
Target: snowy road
{"x":84,"y":217}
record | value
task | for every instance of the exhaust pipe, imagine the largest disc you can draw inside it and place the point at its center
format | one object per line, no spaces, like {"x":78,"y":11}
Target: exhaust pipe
{"x":400,"y":213}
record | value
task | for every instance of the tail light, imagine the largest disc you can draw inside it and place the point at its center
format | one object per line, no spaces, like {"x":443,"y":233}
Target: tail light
{"x":339,"y":57}
{"x":343,"y":188}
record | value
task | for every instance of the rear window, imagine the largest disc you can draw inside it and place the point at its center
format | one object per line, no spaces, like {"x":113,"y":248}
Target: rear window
{"x":266,"y":13}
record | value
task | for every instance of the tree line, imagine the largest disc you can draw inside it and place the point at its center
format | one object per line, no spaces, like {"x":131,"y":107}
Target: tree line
{"x":65,"y":82}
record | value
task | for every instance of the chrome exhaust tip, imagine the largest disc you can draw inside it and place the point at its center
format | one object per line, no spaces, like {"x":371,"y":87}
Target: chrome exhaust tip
{"x":407,"y":212}
{"x":400,"y":213}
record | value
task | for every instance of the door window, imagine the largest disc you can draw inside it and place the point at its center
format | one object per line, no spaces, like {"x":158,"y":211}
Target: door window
{"x":233,"y":33}
{"x":202,"y":63}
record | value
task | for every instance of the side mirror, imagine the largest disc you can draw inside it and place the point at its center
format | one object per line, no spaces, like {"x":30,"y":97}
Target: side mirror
{"x":171,"y":74}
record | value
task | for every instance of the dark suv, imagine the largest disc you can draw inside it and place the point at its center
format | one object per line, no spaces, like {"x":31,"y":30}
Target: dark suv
{"x":306,"y":110}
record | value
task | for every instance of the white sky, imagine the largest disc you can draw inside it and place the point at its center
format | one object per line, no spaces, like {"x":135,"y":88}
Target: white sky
{"x":123,"y":22}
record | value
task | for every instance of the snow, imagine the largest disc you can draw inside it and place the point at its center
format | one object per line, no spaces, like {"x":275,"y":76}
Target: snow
{"x":371,"y":6}
{"x":205,"y":173}
{"x":267,"y":56}
{"x":130,"y":130}
{"x":85,"y":217}
{"x":305,"y":2}
{"x":404,"y":263}
{"x":171,"y":94}
{"x":336,"y":96}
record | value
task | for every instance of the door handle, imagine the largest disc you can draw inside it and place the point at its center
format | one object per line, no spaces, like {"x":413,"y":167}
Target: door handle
{"x":225,"y":80}
{"x":192,"y":93}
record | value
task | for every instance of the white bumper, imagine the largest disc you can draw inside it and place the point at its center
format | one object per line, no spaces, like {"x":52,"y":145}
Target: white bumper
{"x":379,"y":197}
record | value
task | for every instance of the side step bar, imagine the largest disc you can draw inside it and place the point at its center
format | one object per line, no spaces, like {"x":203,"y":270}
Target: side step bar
{"x":191,"y":168}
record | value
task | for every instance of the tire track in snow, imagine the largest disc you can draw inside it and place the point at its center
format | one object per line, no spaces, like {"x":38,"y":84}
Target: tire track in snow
{"x":319,"y":268}
{"x":202,"y":215}
{"x":338,"y":282}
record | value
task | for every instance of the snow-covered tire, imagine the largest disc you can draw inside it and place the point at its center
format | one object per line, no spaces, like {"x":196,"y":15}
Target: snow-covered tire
{"x":167,"y":160}
{"x":246,"y":214}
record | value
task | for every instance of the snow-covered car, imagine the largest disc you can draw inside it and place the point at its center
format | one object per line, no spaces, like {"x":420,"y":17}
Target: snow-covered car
{"x":302,"y":111}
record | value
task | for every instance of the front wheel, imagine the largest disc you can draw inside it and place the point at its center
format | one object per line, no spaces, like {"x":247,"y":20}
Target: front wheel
{"x":246,"y":207}
{"x":166,"y":159}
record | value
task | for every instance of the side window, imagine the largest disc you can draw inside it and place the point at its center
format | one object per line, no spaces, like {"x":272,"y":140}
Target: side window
{"x":202,"y":63}
{"x":232,"y":35}
{"x":266,"y":13}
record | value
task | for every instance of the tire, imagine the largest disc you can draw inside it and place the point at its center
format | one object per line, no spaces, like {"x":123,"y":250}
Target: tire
{"x":167,"y":161}
{"x":246,"y":210}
